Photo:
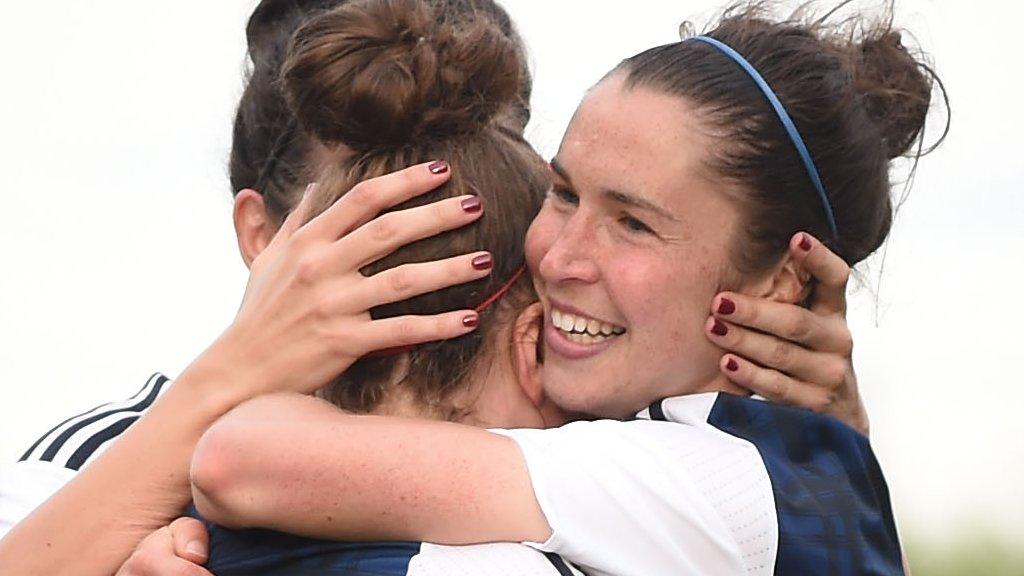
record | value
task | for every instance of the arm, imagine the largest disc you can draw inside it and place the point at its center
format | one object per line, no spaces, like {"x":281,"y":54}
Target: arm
{"x":602,"y":494}
{"x":264,"y":465}
{"x":795,"y":355}
{"x":303,"y":320}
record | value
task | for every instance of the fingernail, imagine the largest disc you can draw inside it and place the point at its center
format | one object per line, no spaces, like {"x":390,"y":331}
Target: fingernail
{"x":732,"y":365}
{"x":472,"y":205}
{"x":196,"y":547}
{"x":726,"y":307}
{"x":439,"y":167}
{"x":483,"y":262}
{"x":309,"y":190}
{"x":471,"y":321}
{"x":805,"y":243}
{"x":719,"y":329}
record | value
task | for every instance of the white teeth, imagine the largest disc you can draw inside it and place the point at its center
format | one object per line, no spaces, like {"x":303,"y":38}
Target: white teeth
{"x":567,"y":322}
{"x":584,"y":330}
{"x":580,"y":325}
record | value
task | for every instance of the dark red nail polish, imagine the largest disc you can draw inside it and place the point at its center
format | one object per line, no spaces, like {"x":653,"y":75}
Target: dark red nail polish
{"x":805,"y":243}
{"x":472,"y":205}
{"x":732,"y":365}
{"x":719,"y":329}
{"x":471,"y":321}
{"x":726,"y":307}
{"x":439,"y":167}
{"x":483,"y":262}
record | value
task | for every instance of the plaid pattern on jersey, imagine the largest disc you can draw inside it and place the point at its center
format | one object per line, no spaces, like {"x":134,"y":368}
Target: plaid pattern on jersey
{"x":834,"y":513}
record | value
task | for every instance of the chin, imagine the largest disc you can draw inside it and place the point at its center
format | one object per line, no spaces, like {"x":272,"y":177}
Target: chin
{"x":588,"y":401}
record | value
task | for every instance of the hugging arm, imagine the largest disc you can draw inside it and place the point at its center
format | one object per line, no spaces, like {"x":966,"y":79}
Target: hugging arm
{"x":597,"y":493}
{"x":299,"y":464}
{"x":301,"y":296}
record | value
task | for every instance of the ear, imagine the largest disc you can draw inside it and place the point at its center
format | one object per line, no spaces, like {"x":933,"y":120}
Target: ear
{"x":525,"y":339}
{"x":788,"y":282}
{"x":253,"y":226}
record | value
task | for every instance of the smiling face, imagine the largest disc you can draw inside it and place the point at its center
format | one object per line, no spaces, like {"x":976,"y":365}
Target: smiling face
{"x":627,"y":253}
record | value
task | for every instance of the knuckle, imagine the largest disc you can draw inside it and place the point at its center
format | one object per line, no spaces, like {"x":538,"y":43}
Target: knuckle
{"x":307,"y":270}
{"x":800,"y":328}
{"x":400,"y":281}
{"x":142,"y":562}
{"x":781,"y":354}
{"x":404,"y":331}
{"x":362,"y":194}
{"x":779,"y":387}
{"x":844,"y":341}
{"x":835,"y":375}
{"x":384,"y":229}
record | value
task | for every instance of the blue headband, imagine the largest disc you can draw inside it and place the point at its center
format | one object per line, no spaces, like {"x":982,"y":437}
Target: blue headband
{"x":787,"y":123}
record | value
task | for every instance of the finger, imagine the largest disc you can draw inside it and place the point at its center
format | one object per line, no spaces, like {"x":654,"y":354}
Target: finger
{"x":828,"y":269}
{"x":299,"y":215}
{"x":786,"y":321}
{"x":409,"y":280}
{"x":772,"y":384}
{"x":403,"y":331}
{"x":385,"y":234}
{"x":776,"y":353}
{"x":369,"y":198}
{"x":166,"y":565}
{"x":191,"y":540}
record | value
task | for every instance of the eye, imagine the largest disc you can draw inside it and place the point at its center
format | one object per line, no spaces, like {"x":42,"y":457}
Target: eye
{"x":564,"y":195}
{"x":634,"y":225}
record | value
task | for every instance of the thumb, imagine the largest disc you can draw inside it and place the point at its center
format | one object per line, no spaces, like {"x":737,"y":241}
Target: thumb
{"x":191,"y":540}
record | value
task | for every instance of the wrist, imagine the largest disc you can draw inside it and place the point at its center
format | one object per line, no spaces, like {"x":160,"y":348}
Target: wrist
{"x":219,"y":379}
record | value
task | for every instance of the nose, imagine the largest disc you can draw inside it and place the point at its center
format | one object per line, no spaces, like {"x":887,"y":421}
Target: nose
{"x":570,"y":257}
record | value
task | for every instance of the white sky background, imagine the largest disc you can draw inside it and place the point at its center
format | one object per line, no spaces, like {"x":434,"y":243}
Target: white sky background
{"x":117,"y":256}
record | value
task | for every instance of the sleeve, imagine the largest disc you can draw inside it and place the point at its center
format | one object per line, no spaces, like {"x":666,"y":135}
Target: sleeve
{"x":620,"y":498}
{"x":26,"y":485}
{"x":54,"y":459}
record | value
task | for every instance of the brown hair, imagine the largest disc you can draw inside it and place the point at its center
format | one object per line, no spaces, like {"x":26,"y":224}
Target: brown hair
{"x":858,"y":97}
{"x":269,"y":152}
{"x":385,"y":84}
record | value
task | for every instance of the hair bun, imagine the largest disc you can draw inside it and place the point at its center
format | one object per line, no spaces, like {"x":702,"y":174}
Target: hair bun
{"x":896,"y":87}
{"x":380,"y":73}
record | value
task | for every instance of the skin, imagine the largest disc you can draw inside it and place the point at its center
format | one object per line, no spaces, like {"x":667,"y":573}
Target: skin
{"x":304,"y":300}
{"x":635,"y":234}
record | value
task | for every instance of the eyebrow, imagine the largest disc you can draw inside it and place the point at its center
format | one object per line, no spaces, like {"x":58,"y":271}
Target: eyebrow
{"x":617,"y":196}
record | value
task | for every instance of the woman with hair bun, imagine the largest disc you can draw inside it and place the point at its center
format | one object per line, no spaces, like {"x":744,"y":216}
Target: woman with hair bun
{"x":308,"y":295}
{"x":686,"y":170}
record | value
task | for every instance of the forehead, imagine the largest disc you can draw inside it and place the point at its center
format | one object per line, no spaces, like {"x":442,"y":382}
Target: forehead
{"x":635,"y":139}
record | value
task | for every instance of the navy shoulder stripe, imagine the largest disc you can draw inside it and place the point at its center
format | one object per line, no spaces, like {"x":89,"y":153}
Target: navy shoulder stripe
{"x":833,"y":506}
{"x":559,"y":564}
{"x":52,"y":442}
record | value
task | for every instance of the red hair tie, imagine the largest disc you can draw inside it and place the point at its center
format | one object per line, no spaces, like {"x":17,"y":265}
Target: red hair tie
{"x":498,"y":294}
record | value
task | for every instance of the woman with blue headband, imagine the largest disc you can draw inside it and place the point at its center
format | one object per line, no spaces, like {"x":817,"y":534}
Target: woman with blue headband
{"x":733,"y":306}
{"x":686,"y":170}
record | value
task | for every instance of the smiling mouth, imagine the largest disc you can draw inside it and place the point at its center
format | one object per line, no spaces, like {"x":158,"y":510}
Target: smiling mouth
{"x":583,"y":330}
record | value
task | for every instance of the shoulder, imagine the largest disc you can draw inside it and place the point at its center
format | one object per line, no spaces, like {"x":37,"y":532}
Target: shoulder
{"x":831,"y":497}
{"x":75,"y":441}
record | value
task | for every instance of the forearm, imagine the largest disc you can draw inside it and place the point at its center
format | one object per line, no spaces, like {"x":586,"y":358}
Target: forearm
{"x":302,"y":466}
{"x":140,"y":484}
